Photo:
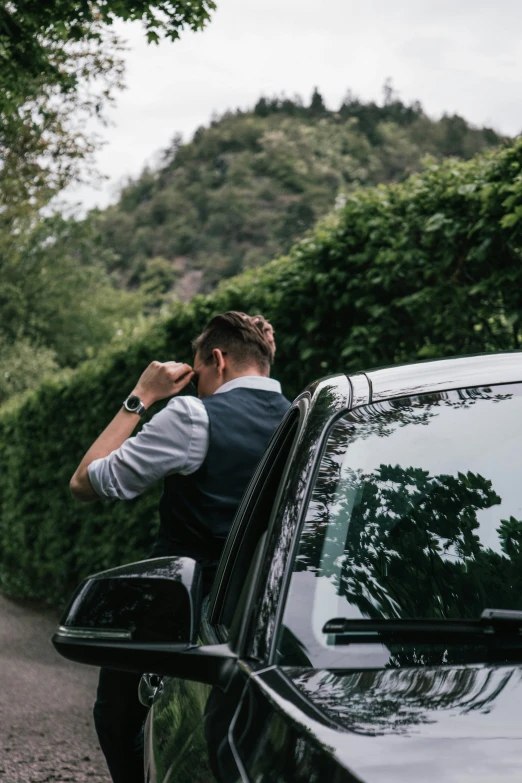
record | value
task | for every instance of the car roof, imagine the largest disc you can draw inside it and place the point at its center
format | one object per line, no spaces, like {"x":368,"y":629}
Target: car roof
{"x":444,"y":374}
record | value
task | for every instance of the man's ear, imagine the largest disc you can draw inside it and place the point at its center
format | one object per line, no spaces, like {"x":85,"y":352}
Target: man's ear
{"x":219,"y":360}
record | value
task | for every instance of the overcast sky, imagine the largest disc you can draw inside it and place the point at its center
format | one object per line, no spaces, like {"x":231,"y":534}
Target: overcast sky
{"x":463,"y":57}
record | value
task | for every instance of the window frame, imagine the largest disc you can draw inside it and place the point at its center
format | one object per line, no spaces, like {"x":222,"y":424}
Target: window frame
{"x":326,"y":402}
{"x":223,"y":590}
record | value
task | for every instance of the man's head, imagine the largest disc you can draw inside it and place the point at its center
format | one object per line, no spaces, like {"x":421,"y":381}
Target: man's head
{"x":232,"y":345}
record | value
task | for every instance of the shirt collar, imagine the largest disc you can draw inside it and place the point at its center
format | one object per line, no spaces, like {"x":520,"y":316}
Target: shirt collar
{"x":251,"y":382}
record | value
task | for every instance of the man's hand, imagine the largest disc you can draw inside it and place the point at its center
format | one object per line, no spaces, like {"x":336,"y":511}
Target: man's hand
{"x":161,"y":380}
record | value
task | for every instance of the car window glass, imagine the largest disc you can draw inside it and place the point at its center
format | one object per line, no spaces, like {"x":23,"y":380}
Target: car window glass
{"x":416,"y":512}
{"x":253,"y":522}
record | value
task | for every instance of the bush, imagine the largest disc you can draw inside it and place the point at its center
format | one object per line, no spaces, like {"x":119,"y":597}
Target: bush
{"x":427,"y":268}
{"x":23,"y":365}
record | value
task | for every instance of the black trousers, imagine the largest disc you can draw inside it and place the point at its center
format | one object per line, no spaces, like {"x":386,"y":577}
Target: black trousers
{"x":119,"y":717}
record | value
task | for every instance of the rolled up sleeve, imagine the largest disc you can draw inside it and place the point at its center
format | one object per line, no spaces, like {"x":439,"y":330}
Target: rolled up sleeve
{"x":174,"y":441}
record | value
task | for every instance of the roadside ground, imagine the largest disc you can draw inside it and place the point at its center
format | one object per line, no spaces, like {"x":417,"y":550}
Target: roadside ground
{"x":46,"y":731}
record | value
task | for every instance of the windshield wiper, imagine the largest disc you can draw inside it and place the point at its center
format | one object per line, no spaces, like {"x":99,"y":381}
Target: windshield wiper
{"x":492,"y":622}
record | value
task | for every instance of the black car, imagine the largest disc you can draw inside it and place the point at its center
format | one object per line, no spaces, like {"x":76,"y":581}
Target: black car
{"x":365,"y":623}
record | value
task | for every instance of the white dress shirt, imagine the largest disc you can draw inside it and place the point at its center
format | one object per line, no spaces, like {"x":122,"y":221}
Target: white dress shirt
{"x":175,"y":440}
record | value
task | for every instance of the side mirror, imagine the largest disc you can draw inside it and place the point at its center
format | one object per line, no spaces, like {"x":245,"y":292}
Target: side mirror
{"x":150,"y":601}
{"x":142,"y":617}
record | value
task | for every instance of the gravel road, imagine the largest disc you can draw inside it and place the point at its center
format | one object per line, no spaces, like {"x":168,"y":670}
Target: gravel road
{"x":46,"y":732}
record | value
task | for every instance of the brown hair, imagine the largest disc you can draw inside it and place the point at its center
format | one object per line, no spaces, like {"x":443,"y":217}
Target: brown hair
{"x":248,"y":339}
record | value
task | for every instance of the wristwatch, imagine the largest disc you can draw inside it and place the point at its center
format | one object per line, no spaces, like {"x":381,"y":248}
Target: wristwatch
{"x":133,"y":404}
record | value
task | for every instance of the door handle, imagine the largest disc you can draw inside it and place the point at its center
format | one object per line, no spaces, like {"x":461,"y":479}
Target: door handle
{"x":150,"y":689}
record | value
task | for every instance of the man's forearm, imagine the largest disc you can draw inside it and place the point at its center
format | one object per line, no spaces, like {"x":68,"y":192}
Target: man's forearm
{"x":116,"y":433}
{"x":159,"y":381}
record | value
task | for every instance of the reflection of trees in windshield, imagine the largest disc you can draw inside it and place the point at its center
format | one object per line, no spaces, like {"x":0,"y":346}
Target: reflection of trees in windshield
{"x":412,"y":548}
{"x":382,"y":418}
{"x":393,"y":702}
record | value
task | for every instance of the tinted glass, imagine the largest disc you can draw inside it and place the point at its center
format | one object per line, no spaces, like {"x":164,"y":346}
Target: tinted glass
{"x":416,"y":512}
{"x":248,"y":528}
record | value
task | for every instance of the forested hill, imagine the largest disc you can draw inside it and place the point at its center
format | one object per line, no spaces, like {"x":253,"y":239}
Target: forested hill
{"x":246,"y":187}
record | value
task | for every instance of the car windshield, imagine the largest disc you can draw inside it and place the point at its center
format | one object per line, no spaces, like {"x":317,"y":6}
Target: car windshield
{"x":416,"y":513}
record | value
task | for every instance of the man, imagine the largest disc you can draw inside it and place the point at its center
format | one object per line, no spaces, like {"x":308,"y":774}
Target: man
{"x":205,"y":450}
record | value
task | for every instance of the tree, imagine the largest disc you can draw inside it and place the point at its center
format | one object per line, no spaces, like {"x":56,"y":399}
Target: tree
{"x":58,"y":306}
{"x":261,"y":107}
{"x":43,"y":143}
{"x":59,"y":64}
{"x":243,"y":190}
{"x":317,"y":104}
{"x":35,"y":37}
{"x":388,"y":92}
{"x":411,"y":545}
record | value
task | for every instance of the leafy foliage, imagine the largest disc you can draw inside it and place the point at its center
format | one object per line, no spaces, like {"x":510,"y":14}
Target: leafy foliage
{"x":60,"y":63}
{"x":57,"y":304}
{"x":176,"y":716}
{"x":44,"y":112}
{"x":23,"y":366}
{"x":426,"y":268}
{"x":244,"y":189}
{"x":59,"y":66}
{"x":34,"y":36}
{"x":403,"y":525}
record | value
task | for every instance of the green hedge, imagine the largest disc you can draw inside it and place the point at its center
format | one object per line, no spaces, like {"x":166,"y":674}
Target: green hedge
{"x":431,"y":267}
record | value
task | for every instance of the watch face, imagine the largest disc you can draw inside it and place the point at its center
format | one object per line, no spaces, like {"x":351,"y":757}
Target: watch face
{"x":133,"y":403}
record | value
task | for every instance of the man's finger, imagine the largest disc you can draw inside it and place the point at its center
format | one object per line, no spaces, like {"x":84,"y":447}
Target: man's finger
{"x":179,"y":371}
{"x":173,"y":364}
{"x":185,"y":374}
{"x":180,"y":383}
{"x":175,"y":369}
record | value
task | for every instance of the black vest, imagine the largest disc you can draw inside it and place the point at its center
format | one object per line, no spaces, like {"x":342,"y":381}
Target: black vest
{"x":196,"y":511}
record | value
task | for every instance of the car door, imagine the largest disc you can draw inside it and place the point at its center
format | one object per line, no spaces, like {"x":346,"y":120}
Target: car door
{"x":412,"y":518}
{"x":187,"y":726}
